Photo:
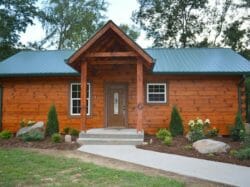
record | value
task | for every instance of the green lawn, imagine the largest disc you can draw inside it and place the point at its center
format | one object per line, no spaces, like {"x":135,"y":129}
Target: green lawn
{"x":25,"y":168}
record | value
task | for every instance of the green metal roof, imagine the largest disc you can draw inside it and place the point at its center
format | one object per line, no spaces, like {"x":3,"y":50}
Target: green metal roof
{"x":198,"y":61}
{"x":167,"y":61}
{"x":35,"y":63}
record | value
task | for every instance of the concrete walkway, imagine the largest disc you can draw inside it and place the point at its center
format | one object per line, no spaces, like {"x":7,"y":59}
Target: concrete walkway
{"x":209,"y":170}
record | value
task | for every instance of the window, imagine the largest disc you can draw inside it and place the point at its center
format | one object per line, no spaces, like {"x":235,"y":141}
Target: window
{"x":156,"y":93}
{"x":75,"y":99}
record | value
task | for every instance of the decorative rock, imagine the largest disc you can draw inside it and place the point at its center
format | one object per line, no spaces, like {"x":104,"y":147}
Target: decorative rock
{"x":37,"y":127}
{"x":188,"y":136}
{"x":67,"y":138}
{"x":150,"y":141}
{"x":207,"y":146}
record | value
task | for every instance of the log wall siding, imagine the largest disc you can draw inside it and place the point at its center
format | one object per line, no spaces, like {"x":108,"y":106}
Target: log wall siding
{"x":213,"y":97}
{"x":31,"y":98}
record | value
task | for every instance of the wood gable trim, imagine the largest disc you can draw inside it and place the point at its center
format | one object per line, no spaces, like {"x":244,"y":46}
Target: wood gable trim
{"x":112,"y":54}
{"x":111,"y":25}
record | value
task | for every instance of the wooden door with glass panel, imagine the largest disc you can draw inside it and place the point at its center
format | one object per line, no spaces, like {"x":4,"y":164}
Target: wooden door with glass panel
{"x":116,"y":105}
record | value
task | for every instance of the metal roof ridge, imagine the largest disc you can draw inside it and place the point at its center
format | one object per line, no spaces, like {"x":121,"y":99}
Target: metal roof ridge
{"x":49,"y":50}
{"x":161,"y":48}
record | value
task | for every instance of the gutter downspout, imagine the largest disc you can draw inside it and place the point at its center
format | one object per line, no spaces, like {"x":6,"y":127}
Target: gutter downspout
{"x":239,"y":93}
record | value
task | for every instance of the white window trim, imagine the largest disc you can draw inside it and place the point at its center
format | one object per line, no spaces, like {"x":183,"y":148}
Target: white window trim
{"x":165,"y":92}
{"x":89,"y":99}
{"x":71,"y":99}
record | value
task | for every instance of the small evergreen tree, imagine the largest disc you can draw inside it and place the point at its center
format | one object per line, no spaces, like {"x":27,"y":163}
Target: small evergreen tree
{"x":52,"y":122}
{"x":176,"y":126}
{"x":238,"y":131}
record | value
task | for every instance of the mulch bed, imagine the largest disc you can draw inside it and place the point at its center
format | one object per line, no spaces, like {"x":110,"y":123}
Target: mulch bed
{"x":44,"y":144}
{"x":181,"y":146}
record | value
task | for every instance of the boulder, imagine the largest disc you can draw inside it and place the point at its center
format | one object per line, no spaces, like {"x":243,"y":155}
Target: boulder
{"x":67,"y":138}
{"x":37,"y":127}
{"x":207,"y":146}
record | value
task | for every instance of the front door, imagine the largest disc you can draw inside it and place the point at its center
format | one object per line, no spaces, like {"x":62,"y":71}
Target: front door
{"x":116,"y":105}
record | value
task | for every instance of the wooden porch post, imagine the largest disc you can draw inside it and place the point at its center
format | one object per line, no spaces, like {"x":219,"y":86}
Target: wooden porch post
{"x":83,"y":94}
{"x":139,"y":91}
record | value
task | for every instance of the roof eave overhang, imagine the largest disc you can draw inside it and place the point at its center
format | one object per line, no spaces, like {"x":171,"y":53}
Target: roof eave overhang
{"x":40,"y":75}
{"x":201,"y":73}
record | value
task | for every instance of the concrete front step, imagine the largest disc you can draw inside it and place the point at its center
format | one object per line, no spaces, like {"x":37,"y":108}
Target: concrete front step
{"x":116,"y":136}
{"x":100,"y":141}
{"x":110,"y":136}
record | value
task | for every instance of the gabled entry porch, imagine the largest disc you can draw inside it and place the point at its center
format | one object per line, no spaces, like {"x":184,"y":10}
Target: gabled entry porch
{"x":114,"y":66}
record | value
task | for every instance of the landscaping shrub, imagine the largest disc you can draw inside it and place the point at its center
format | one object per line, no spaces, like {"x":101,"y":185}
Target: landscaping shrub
{"x":243,"y":154}
{"x":52,"y":123}
{"x":74,"y":132}
{"x":168,"y":140}
{"x":196,"y":135}
{"x":188,"y":147}
{"x":24,"y":123}
{"x":247,"y":140}
{"x":176,"y":126}
{"x":162,"y":133}
{"x":233,"y":152}
{"x":212,"y":132}
{"x":66,"y":130}
{"x":5,"y":134}
{"x":237,"y":133}
{"x":56,"y":138}
{"x":32,"y":136}
{"x":197,"y":128}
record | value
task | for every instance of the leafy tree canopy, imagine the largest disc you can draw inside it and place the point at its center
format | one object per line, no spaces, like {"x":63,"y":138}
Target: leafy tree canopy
{"x":131,"y":31}
{"x":233,"y":35}
{"x":192,"y":23}
{"x":69,"y":23}
{"x":172,"y":23}
{"x":15,"y":16}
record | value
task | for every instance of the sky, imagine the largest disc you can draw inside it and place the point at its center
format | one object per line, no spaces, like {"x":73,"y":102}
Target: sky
{"x":119,"y":11}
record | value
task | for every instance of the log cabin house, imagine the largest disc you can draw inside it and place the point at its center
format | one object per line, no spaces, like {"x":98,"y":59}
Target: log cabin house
{"x":111,"y":82}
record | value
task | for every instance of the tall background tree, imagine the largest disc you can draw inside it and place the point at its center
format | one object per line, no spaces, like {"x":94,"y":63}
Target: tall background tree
{"x":192,"y":23}
{"x":15,"y":16}
{"x":69,"y":23}
{"x":132,"y":31}
{"x":172,"y":23}
{"x":237,"y":38}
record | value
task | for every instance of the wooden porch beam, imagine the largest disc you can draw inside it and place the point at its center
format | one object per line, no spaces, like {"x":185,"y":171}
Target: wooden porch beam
{"x":139,"y":91}
{"x":112,"y":62}
{"x":83,"y":94}
{"x":112,"y":54}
